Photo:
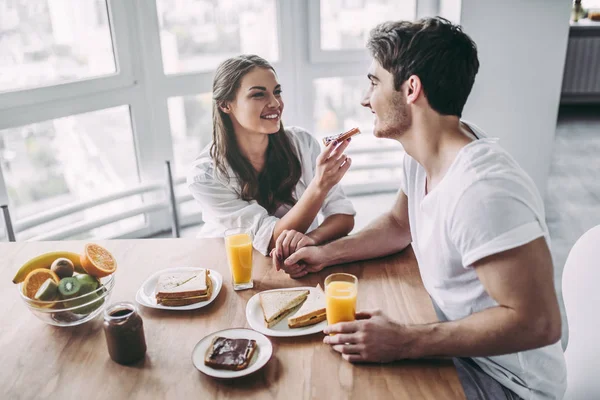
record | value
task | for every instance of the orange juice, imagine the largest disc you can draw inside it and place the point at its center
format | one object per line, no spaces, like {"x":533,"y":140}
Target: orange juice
{"x":340,"y":300}
{"x":239,"y":254}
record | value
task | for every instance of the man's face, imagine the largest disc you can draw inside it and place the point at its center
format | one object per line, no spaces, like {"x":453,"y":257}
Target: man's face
{"x":392,"y":115}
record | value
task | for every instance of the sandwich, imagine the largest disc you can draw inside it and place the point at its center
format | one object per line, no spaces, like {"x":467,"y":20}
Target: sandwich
{"x":341,"y":136}
{"x":231,"y":354}
{"x":183,"y":288}
{"x":276,"y":305}
{"x":312,"y":311}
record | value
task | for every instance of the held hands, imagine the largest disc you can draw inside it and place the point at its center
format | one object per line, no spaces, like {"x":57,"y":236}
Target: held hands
{"x":287,"y":243}
{"x":305,"y":260}
{"x":373,"y":337}
{"x":332,"y":164}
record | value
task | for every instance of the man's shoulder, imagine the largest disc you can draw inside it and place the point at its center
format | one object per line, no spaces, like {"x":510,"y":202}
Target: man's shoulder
{"x":488,"y":172}
{"x":484,"y":170}
{"x":486,"y":161}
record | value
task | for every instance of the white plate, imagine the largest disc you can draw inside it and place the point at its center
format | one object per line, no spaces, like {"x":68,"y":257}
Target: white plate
{"x":255,"y":318}
{"x":146,"y":295}
{"x":261,"y":355}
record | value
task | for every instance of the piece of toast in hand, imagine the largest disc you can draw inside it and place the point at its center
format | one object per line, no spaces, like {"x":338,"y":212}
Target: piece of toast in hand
{"x":341,"y":136}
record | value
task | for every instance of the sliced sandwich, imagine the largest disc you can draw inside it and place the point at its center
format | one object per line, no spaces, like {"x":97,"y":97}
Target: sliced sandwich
{"x":276,"y":305}
{"x":183,"y":288}
{"x":312,"y":311}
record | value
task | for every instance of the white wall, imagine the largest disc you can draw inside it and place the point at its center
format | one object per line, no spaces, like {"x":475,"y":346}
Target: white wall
{"x":522,"y":46}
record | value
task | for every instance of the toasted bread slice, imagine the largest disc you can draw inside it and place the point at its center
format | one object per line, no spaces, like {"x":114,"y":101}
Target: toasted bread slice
{"x":341,"y":136}
{"x":187,"y":300}
{"x":311,"y":312}
{"x":276,"y":305}
{"x":177,"y":285}
{"x":230,"y":354}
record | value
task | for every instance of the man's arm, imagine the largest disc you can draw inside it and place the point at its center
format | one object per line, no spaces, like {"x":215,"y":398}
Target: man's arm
{"x":520,"y":280}
{"x":386,"y":235}
{"x":333,"y":227}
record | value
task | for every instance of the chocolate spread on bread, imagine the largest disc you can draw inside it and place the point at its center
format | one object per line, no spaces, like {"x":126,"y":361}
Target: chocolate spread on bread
{"x":233,"y":354}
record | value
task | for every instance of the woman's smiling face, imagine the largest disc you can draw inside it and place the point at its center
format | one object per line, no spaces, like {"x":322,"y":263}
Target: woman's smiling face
{"x":258,"y":105}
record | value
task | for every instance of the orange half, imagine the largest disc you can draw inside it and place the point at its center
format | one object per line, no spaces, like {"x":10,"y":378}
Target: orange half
{"x":35,"y":279}
{"x":97,"y":261}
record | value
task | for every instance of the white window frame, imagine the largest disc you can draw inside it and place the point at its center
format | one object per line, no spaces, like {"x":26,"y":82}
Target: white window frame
{"x":122,"y":77}
{"x":318,"y":55}
{"x":141,"y":83}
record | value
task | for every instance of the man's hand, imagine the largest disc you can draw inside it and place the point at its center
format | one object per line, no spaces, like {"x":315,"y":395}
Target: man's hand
{"x":306,"y":260}
{"x":373,"y":337}
{"x":289,"y":241}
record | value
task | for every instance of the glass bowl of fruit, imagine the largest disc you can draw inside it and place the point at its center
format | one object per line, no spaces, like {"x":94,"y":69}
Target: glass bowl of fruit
{"x":67,"y":289}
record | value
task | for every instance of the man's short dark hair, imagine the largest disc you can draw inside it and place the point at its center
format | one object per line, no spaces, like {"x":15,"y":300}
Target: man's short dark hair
{"x":437,"y":51}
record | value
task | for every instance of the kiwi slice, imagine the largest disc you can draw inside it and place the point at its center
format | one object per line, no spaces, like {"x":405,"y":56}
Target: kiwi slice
{"x":48,"y":291}
{"x":88,"y":283}
{"x":69,"y":288}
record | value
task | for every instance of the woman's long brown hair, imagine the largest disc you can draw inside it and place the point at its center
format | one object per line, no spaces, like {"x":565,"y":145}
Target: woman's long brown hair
{"x":273,"y":186}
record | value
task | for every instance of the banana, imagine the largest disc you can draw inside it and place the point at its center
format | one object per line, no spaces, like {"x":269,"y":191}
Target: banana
{"x":45,"y":261}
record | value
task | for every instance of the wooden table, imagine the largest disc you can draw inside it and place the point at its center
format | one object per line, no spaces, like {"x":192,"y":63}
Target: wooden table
{"x":44,"y":362}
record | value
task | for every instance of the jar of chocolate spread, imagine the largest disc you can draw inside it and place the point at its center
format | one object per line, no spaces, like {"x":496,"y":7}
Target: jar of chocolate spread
{"x":124,"y":330}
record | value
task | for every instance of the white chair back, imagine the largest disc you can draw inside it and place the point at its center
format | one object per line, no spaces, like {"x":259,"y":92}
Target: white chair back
{"x":581,"y":294}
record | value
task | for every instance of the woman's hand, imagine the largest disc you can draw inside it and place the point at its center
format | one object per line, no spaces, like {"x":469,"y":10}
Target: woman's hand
{"x":332,"y":164}
{"x":287,"y":243}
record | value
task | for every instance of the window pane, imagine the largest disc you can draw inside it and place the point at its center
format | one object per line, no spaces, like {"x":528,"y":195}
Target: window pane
{"x":196,"y":35}
{"x":57,"y":162}
{"x":345,"y":24}
{"x":54,"y":41}
{"x":337,"y":105}
{"x":337,"y":109}
{"x":191,"y":128}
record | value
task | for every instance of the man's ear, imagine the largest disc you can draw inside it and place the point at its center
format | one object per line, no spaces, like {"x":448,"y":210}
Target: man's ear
{"x":225,"y":107}
{"x":413,"y":88}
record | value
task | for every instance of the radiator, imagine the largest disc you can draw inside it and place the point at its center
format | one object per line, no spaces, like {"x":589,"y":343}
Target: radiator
{"x":582,"y":67}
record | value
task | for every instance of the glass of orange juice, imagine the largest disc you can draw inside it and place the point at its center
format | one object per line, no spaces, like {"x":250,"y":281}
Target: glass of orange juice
{"x":238,"y":243}
{"x":340,"y":297}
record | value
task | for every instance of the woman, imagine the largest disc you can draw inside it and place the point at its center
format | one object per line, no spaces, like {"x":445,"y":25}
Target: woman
{"x":260,"y":176}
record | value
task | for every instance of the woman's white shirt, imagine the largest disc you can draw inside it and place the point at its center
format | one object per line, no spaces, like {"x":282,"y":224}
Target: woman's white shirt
{"x":223,"y":207}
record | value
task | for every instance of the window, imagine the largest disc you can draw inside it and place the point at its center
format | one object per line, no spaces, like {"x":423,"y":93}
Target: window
{"x":197,"y":35}
{"x":345,"y":24}
{"x":191,"y":128}
{"x":51,"y":42}
{"x":337,"y":109}
{"x":337,"y":105}
{"x":57,"y":162}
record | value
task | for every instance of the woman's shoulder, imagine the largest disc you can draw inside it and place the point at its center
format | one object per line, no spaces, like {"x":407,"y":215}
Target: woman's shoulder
{"x":301,"y":137}
{"x":203,"y":167}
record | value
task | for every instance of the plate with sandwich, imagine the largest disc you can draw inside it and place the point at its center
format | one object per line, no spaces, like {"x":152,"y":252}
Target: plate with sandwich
{"x":288,"y":312}
{"x":180,"y":289}
{"x":232,"y":353}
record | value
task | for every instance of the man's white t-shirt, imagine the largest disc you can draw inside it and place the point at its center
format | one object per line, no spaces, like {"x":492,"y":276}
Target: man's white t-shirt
{"x":485,"y":204}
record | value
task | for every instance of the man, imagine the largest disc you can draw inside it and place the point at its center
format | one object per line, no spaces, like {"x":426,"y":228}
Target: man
{"x":475,"y":220}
